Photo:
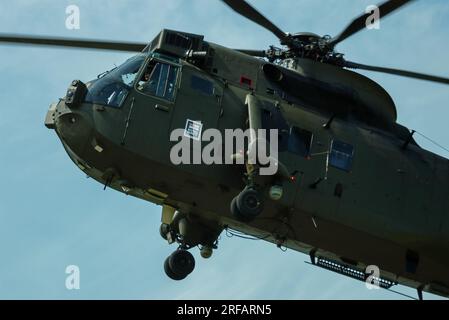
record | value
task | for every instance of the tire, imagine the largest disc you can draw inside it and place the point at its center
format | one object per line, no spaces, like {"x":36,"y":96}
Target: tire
{"x":249,"y":203}
{"x":181,"y":262}
{"x":236,"y":212}
{"x":169,"y":272}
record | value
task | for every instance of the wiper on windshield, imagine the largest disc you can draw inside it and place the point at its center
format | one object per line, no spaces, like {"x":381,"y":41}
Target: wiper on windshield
{"x":101,"y":75}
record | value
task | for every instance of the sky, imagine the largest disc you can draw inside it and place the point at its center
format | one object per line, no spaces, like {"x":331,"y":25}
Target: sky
{"x":52,"y":216}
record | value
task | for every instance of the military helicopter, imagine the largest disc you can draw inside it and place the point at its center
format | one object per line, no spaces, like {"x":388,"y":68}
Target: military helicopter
{"x":352,"y":188}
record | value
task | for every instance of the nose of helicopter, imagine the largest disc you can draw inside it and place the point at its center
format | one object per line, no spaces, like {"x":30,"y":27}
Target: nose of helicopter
{"x":72,"y":125}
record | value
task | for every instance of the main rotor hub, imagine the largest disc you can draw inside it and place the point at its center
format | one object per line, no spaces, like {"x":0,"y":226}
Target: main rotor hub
{"x":305,"y":36}
{"x":307,"y":45}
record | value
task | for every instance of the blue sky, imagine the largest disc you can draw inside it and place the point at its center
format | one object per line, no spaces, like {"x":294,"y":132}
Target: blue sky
{"x":52,"y":216}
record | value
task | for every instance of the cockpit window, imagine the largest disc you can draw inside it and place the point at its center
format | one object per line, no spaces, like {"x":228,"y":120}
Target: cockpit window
{"x":159,"y":79}
{"x":112,"y":87}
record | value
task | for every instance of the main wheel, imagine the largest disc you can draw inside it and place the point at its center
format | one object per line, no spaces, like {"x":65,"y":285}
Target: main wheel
{"x":236,"y":212}
{"x":181,"y":262}
{"x":169,"y":272}
{"x":249,"y":203}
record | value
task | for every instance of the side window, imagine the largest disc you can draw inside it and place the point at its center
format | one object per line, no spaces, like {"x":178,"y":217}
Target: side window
{"x":159,"y":79}
{"x":300,"y":141}
{"x":273,"y":119}
{"x":341,"y":155}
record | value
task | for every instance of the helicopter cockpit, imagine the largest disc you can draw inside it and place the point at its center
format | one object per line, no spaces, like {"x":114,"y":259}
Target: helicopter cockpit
{"x":112,"y":87}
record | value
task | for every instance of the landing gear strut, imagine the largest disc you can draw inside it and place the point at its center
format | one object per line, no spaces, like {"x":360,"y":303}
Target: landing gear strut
{"x":250,"y":202}
{"x":188,"y":231}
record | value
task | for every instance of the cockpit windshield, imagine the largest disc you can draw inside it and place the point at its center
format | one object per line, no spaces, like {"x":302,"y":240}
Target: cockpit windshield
{"x":112,"y":87}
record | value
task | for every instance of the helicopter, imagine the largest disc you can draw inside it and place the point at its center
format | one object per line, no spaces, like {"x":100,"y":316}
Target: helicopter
{"x":340,"y":148}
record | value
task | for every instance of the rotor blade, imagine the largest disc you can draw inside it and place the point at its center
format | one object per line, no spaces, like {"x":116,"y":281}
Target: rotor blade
{"x":74,"y":43}
{"x":397,"y":72}
{"x":254,"y":53}
{"x":246,"y":10}
{"x":360,"y":23}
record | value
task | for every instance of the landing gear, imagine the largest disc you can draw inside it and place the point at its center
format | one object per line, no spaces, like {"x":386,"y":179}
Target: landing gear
{"x":250,"y":202}
{"x":188,"y":231}
{"x":179,"y":264}
{"x":170,"y":273}
{"x":206,"y":251}
{"x":247,"y":205}
{"x":164,"y":229}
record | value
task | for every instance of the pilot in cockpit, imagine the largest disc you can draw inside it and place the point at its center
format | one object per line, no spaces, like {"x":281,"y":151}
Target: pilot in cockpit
{"x":146,"y":84}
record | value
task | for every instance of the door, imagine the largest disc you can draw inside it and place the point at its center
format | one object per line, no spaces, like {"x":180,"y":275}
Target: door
{"x":150,"y":108}
{"x":198,"y":107}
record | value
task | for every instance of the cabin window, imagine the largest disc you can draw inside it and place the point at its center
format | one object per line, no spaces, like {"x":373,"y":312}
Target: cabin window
{"x":273,"y":119}
{"x":341,"y":155}
{"x":159,"y":79}
{"x":300,"y":141}
{"x":202,"y":85}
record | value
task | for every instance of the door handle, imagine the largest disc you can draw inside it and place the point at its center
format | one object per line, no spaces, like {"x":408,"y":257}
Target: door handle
{"x":161,"y":107}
